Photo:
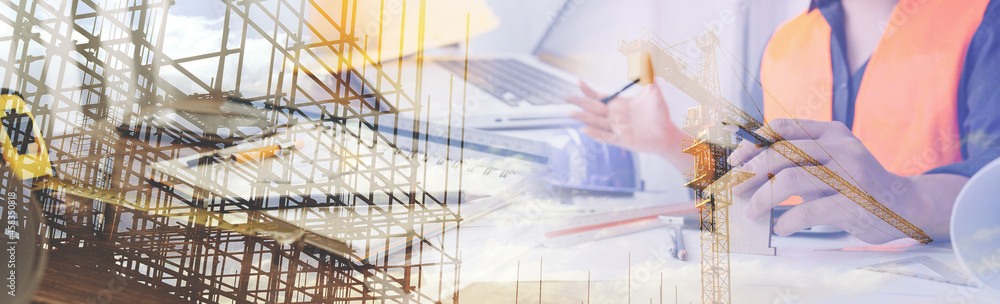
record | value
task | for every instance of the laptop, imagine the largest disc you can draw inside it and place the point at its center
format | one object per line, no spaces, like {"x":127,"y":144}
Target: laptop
{"x":519,"y":91}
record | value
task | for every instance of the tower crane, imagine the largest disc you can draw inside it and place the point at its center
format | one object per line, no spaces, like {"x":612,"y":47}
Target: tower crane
{"x":711,"y":142}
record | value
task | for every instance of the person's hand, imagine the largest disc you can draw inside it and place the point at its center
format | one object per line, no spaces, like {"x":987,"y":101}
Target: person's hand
{"x":921,"y":200}
{"x":640,"y":123}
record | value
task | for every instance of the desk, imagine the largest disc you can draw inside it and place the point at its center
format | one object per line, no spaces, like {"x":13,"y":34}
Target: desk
{"x":617,"y":269}
{"x":500,"y":260}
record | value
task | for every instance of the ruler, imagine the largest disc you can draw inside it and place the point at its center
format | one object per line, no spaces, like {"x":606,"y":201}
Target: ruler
{"x":603,"y":233}
{"x":610,"y":224}
{"x":944,"y":273}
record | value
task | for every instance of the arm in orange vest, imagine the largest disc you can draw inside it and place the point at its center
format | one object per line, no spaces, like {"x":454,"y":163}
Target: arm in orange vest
{"x":924,"y":200}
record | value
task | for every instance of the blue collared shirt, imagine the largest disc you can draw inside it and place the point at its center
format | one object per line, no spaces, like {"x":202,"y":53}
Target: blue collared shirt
{"x":978,"y":97}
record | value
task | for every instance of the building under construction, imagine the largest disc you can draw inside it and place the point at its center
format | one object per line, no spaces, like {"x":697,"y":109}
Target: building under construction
{"x":100,"y":76}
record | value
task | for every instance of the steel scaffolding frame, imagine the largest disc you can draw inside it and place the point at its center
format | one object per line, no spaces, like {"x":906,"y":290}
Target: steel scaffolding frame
{"x":90,"y":68}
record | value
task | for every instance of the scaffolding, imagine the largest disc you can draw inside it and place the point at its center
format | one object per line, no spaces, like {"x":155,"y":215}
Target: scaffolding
{"x":92,"y":70}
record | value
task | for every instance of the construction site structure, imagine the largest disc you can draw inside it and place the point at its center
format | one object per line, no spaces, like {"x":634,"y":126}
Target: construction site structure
{"x":713,"y":127}
{"x":91,"y":69}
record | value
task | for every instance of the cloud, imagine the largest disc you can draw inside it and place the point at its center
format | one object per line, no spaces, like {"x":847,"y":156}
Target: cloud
{"x":990,"y":234}
{"x":185,"y":37}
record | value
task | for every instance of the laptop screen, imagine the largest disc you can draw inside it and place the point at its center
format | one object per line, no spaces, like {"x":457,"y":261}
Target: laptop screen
{"x":583,"y":38}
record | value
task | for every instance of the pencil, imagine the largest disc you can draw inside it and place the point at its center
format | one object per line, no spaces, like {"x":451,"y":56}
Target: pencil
{"x":682,"y":253}
{"x":262,"y":152}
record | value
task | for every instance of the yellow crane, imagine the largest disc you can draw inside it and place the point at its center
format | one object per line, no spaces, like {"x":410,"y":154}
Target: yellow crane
{"x":712,"y":142}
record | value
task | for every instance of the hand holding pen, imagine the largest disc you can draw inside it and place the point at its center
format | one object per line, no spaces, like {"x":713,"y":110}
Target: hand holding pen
{"x":639,"y":123}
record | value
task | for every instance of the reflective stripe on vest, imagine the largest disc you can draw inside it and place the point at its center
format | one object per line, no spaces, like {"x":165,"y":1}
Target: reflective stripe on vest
{"x":906,"y":110}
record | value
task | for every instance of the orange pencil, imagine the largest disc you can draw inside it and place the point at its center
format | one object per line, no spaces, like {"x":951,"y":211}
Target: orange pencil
{"x":262,"y":152}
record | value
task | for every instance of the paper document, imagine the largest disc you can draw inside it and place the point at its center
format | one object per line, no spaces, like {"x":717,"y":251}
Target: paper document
{"x":344,"y":162}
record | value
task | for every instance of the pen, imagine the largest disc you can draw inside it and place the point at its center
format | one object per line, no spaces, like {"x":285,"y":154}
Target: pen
{"x":260,"y":153}
{"x":645,"y":77}
{"x":615,"y":95}
{"x":678,"y":251}
{"x":673,"y":247}
{"x":240,"y":156}
{"x":682,"y":253}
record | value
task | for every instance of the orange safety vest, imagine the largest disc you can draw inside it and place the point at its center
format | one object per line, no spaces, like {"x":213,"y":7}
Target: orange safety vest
{"x":906,"y":110}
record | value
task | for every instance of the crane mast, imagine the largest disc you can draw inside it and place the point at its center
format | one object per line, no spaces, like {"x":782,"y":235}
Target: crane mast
{"x":711,"y":143}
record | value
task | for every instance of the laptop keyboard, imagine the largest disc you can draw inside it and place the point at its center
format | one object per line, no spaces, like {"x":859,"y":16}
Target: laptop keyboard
{"x":512,"y":81}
